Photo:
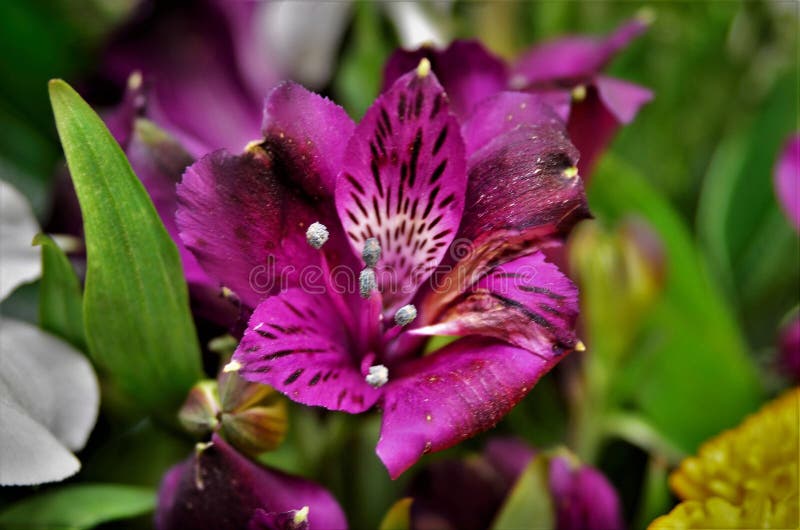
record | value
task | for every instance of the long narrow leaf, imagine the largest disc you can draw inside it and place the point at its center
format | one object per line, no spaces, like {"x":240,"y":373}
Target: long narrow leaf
{"x":136,"y":306}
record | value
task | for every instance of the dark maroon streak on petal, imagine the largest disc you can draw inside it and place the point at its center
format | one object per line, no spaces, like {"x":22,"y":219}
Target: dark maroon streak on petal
{"x":219,"y":488}
{"x":403,"y":183}
{"x":300,"y":344}
{"x":527,"y":302}
{"x":437,"y":401}
{"x":467,"y":71}
{"x":316,"y":130}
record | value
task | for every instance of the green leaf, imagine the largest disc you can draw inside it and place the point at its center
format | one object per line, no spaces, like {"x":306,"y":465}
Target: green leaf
{"x":399,"y":516}
{"x":136,"y":306}
{"x":78,"y":507}
{"x":690,"y":374}
{"x":60,"y":299}
{"x":749,"y":244}
{"x":529,"y":500}
{"x":358,"y":80}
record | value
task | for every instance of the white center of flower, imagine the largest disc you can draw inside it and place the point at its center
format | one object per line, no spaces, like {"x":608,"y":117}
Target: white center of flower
{"x":378,"y":375}
{"x":316,"y":235}
{"x":405,"y":315}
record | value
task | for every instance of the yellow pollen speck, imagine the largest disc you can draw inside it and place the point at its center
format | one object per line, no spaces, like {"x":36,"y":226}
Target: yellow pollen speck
{"x":579,"y":93}
{"x":571,"y":172}
{"x":226,"y":293}
{"x":233,"y":366}
{"x":580,"y":346}
{"x":523,"y":105}
{"x":135,"y":81}
{"x":282,"y":135}
{"x":301,"y":516}
{"x":253,"y":146}
{"x":424,"y":68}
{"x":510,"y":117}
{"x":428,"y":417}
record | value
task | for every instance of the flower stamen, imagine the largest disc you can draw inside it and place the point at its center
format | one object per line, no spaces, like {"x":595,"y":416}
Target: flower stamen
{"x":405,"y":315}
{"x":378,"y":375}
{"x":371,"y":252}
{"x":317,"y":234}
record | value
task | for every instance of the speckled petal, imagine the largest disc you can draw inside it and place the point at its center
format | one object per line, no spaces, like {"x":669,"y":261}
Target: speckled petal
{"x":403,"y":183}
{"x":527,"y":302}
{"x":300,"y":344}
{"x":444,"y":398}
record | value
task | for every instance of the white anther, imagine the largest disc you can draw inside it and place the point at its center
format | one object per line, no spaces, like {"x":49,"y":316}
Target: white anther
{"x":371,"y":252}
{"x":405,"y":315}
{"x":367,"y":282}
{"x":378,"y":375}
{"x":316,"y":235}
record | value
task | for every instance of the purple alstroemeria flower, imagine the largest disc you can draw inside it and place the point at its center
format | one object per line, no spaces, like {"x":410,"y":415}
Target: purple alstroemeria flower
{"x":219,"y":488}
{"x":787,"y":180}
{"x":565,"y":71}
{"x":332,"y":231}
{"x":582,"y":498}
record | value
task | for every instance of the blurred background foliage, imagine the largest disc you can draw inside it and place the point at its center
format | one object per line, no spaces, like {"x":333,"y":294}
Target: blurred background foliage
{"x":673,"y":357}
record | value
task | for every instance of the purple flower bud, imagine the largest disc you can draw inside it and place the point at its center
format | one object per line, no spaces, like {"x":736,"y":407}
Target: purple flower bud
{"x":220,"y":488}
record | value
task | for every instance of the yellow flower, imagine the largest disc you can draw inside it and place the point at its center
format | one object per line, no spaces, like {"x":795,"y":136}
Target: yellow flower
{"x":746,"y":477}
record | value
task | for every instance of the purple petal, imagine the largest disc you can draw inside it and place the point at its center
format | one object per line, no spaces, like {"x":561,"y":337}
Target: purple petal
{"x":787,"y":180}
{"x":403,"y":183}
{"x":299,"y":344}
{"x":594,"y":121}
{"x":522,"y":182}
{"x":198,"y":92}
{"x":527,"y":302}
{"x":583,"y":497}
{"x":159,"y":161}
{"x":621,"y":98}
{"x":509,"y":456}
{"x":219,"y":488}
{"x":468,"y":72}
{"x":574,"y":58}
{"x":502,"y":113}
{"x":439,"y":400}
{"x":314,"y":129}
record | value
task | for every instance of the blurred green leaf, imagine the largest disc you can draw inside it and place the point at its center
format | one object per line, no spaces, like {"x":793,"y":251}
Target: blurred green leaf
{"x":78,"y":507}
{"x":750,"y":246}
{"x":529,"y":500}
{"x":689,"y":374}
{"x":359,"y":76}
{"x":60,"y":298}
{"x":399,"y":516}
{"x":136,"y":305}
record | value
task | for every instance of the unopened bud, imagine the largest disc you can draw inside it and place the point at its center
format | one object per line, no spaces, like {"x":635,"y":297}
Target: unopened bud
{"x":199,"y":413}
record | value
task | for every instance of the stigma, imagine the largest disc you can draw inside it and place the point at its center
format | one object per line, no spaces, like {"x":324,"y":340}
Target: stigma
{"x":378,"y":376}
{"x":316,"y":235}
{"x":405,"y":315}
